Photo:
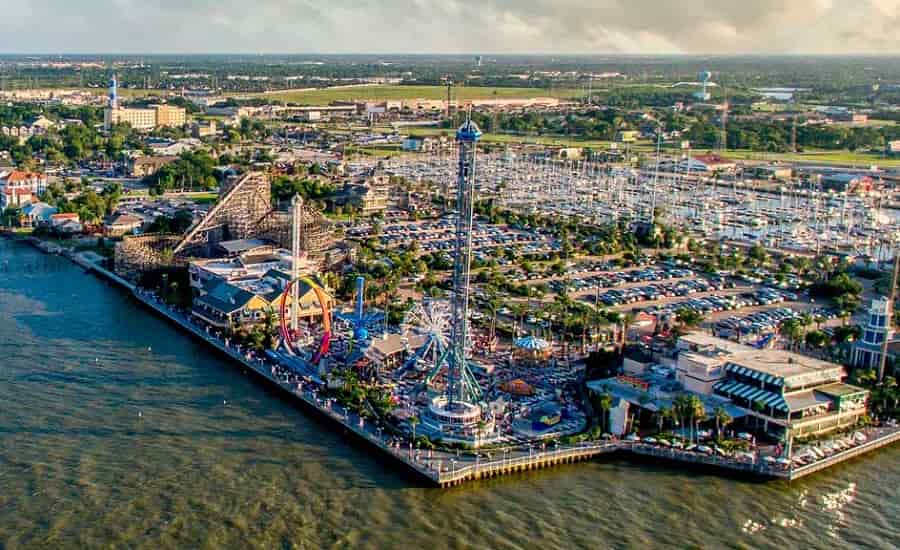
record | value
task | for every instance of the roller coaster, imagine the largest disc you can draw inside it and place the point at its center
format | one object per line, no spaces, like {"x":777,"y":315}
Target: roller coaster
{"x":290,"y":335}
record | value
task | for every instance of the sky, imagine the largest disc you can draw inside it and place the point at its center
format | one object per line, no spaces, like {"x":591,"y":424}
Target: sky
{"x":452,"y":26}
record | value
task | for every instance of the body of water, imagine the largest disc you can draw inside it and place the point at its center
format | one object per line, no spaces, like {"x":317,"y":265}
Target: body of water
{"x":118,"y":431}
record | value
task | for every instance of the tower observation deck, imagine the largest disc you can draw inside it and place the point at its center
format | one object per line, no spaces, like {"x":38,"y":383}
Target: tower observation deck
{"x":461,"y":384}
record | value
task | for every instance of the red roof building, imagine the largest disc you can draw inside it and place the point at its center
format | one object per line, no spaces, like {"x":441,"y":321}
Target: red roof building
{"x":18,"y":187}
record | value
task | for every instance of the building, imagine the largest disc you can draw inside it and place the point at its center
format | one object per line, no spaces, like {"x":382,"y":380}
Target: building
{"x":846,"y":183}
{"x":701,"y":361}
{"x":157,"y":116}
{"x":419,"y":144}
{"x":773,"y":172}
{"x":569,"y":153}
{"x":122,"y":224}
{"x":253,"y":264}
{"x":627,"y":136}
{"x":38,"y":127}
{"x":36,"y":214}
{"x":893,"y":147}
{"x":224,"y":305}
{"x":867,"y":351}
{"x":204,"y":128}
{"x":839,"y":114}
{"x":785,"y":394}
{"x":244,"y":303}
{"x":139,"y":119}
{"x":68,"y":222}
{"x":713,"y":163}
{"x":141,"y":167}
{"x":18,"y":187}
{"x":369,"y":196}
{"x":143,"y":118}
{"x":170,"y":116}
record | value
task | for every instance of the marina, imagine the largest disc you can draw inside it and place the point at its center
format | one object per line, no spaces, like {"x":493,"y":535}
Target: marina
{"x":794,"y":216}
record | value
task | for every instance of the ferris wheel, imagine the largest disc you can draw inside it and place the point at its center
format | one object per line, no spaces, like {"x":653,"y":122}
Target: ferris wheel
{"x":428,"y":322}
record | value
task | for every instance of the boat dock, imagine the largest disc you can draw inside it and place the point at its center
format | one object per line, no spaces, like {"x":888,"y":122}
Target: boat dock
{"x":445,"y":469}
{"x":883,"y":440}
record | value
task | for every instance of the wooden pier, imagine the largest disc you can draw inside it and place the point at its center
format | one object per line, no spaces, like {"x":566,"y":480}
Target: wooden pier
{"x":534,"y":461}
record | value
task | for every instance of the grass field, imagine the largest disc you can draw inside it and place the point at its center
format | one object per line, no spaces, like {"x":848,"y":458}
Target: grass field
{"x":130,"y":93}
{"x":377,"y":93}
{"x":508,"y":138}
{"x":824,"y":157}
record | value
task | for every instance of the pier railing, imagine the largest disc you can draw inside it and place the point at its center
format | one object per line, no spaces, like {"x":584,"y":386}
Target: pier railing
{"x":489,"y":468}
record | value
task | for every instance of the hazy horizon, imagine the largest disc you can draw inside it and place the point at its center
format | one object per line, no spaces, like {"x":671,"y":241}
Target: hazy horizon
{"x":435,"y":27}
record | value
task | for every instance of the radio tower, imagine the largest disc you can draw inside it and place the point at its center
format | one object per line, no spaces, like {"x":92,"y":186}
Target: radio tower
{"x":462,"y":388}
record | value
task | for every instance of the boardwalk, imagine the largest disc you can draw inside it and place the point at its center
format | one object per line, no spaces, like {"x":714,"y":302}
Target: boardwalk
{"x":445,"y":469}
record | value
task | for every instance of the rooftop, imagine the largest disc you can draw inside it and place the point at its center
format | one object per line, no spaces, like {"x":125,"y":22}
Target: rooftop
{"x":242,"y":245}
{"x":795,"y":369}
{"x":778,"y":366}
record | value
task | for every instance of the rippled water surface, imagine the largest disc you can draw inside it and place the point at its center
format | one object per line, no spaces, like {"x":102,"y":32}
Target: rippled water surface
{"x":117,"y":431}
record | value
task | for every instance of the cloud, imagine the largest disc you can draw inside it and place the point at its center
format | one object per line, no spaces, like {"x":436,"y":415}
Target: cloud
{"x":452,"y":26}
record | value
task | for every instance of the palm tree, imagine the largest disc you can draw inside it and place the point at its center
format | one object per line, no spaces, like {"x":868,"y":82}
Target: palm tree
{"x":520,"y":310}
{"x":413,"y":422}
{"x":598,"y":320}
{"x":680,"y":409}
{"x":864,"y":377}
{"x":819,"y":319}
{"x":893,"y":390}
{"x":722,"y":419}
{"x":805,"y":321}
{"x":603,"y":402}
{"x":664,"y":414}
{"x":697,"y":412}
{"x":687,"y":318}
{"x":269,"y":328}
{"x":792,"y":330}
{"x":625,"y":321}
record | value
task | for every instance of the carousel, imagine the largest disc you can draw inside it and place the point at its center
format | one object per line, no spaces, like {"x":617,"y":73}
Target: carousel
{"x":532,"y":350}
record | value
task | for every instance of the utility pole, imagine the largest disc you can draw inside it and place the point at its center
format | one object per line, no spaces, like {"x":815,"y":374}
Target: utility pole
{"x":725,"y":108}
{"x":890,"y":314}
{"x":449,"y":98}
{"x":794,"y":133}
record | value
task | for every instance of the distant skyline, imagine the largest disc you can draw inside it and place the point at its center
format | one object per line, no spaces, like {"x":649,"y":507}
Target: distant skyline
{"x":452,"y":26}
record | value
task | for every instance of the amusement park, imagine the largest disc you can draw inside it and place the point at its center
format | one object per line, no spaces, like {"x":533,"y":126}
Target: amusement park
{"x":262,"y":278}
{"x":265,"y":281}
{"x":432,"y":377}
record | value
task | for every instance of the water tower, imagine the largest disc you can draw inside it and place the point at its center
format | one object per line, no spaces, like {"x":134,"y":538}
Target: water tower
{"x":703,"y":94}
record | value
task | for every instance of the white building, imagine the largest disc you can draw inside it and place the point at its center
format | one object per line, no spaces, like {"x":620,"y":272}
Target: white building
{"x":18,"y":188}
{"x":867,"y":352}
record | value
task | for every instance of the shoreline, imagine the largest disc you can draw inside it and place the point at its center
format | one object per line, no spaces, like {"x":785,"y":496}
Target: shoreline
{"x":443,"y":471}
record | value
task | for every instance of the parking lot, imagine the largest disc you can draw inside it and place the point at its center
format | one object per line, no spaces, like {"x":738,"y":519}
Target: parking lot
{"x":439,"y":236}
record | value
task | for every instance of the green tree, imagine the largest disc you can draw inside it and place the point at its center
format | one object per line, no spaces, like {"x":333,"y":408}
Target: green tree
{"x":602,"y":403}
{"x":722,"y":419}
